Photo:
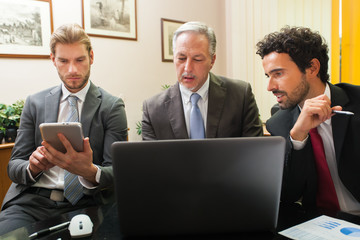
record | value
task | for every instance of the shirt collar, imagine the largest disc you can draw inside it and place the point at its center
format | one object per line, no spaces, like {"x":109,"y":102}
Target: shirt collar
{"x":186,"y":93}
{"x":328,"y":94}
{"x":80,"y":94}
{"x":327,"y":91}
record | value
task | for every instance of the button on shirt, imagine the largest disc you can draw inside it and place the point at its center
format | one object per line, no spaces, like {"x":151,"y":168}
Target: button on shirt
{"x":202,"y":103}
{"x":54,"y":177}
{"x":346,"y":200}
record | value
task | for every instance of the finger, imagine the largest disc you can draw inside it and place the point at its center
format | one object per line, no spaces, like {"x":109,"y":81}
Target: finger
{"x":337,"y":108}
{"x":87,"y":147}
{"x":35,"y":166}
{"x":321,"y":107}
{"x":47,"y":147}
{"x":324,"y":112}
{"x":37,"y":162}
{"x":66,"y":143}
{"x":322,"y":97}
{"x":52,"y":155}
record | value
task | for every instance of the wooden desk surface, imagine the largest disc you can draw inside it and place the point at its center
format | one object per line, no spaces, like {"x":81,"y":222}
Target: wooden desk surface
{"x":5,"y":153}
{"x":266,"y":133}
{"x":6,"y":146}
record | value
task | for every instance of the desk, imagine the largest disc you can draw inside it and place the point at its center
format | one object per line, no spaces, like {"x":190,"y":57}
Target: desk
{"x":106,"y":225}
{"x":266,"y":133}
{"x":5,"y":153}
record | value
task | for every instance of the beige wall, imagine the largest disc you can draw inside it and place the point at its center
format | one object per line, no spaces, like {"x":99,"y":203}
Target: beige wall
{"x":248,"y":21}
{"x":130,"y":69}
{"x":134,"y":71}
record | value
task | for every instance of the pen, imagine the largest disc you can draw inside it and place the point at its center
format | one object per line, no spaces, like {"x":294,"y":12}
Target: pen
{"x":48,"y":230}
{"x":343,"y":112}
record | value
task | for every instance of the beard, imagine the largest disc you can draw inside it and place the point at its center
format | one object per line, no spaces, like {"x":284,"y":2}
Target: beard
{"x":75,"y":86}
{"x":296,"y":96}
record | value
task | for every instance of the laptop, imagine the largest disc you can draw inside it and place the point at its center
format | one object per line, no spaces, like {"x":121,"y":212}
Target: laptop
{"x":191,"y":187}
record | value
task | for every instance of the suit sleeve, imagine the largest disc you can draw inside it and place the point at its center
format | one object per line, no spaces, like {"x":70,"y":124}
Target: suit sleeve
{"x":111,"y":126}
{"x":147,"y":130}
{"x":24,"y":146}
{"x":252,"y":125}
{"x":115,"y":130}
{"x":299,"y":177}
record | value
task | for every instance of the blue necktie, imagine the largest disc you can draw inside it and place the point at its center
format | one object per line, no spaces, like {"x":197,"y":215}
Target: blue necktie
{"x":73,"y":115}
{"x":72,"y":187}
{"x":197,"y":130}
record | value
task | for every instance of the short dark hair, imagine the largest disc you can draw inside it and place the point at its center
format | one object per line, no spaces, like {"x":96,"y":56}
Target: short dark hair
{"x":301,"y":44}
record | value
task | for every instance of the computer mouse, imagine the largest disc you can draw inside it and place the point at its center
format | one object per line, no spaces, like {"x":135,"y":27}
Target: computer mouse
{"x":80,"y":226}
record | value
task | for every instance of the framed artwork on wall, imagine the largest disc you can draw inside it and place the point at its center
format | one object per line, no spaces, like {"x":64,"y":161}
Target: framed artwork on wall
{"x":168,"y":27}
{"x":110,"y":18}
{"x":25,"y":28}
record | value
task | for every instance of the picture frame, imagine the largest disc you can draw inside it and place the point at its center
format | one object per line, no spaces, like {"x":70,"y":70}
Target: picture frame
{"x":110,"y":18}
{"x":25,"y":28}
{"x":168,"y":27}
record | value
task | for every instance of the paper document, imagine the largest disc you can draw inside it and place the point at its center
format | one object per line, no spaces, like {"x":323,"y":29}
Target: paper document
{"x":323,"y":227}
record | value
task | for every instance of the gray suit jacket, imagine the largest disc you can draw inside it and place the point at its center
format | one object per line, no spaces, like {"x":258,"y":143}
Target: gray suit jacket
{"x":232,"y":112}
{"x":103,"y":120}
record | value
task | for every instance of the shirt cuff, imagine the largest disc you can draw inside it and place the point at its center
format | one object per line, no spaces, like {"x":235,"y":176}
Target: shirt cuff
{"x":88,"y":184}
{"x":29,"y":173}
{"x":298,"y":145}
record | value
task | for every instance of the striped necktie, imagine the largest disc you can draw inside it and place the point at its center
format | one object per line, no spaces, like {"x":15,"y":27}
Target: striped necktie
{"x":72,"y":187}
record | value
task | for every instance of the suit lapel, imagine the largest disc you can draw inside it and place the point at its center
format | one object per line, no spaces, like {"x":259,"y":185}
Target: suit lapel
{"x":339,"y":122}
{"x":217,"y":94}
{"x":52,"y":103}
{"x":91,"y":104}
{"x":174,"y":109}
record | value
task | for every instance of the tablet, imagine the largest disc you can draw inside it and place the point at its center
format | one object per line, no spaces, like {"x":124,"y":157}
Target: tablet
{"x":71,"y":130}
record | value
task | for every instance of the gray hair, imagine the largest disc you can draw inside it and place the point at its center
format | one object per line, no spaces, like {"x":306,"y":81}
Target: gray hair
{"x":200,"y":28}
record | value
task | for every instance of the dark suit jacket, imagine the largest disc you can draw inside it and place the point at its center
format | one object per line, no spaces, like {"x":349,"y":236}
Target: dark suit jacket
{"x":300,"y":178}
{"x":232,"y":112}
{"x":103,"y":120}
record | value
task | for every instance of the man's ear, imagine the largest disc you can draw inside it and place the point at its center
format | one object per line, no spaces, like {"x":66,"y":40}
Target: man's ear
{"x":314,"y":69}
{"x":52,"y":57}
{"x":91,"y":57}
{"x":213,"y":60}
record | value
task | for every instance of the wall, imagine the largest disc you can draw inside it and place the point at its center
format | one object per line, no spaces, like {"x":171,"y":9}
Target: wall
{"x":350,"y":48}
{"x":248,"y":21}
{"x":130,"y":69}
{"x":134,"y":71}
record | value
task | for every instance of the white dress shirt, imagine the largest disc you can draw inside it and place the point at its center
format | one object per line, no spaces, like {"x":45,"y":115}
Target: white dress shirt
{"x":202,"y":103}
{"x":347,"y":201}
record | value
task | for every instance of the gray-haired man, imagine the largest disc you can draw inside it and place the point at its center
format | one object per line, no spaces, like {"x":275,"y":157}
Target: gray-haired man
{"x":227,"y":107}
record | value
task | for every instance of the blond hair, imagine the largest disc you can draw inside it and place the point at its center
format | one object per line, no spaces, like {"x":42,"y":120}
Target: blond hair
{"x":68,"y":34}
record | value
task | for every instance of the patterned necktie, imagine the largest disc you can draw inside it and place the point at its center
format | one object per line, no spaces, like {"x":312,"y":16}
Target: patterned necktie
{"x":326,"y":197}
{"x":197,"y":130}
{"x":72,"y":187}
{"x":73,"y":115}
